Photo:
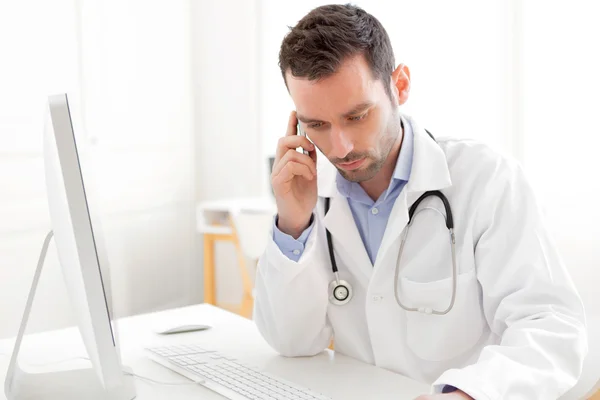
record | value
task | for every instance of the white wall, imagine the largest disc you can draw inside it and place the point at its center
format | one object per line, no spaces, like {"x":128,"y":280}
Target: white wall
{"x":225,"y":93}
{"x":37,"y":59}
{"x":127,"y":68}
{"x":138,"y":104}
{"x":561,"y":134}
{"x":229,"y":162}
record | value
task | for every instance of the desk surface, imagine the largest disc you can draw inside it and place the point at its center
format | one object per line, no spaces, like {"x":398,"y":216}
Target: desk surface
{"x":335,"y":375}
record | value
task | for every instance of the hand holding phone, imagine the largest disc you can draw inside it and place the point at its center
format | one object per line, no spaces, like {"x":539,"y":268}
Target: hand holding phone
{"x":294,"y":179}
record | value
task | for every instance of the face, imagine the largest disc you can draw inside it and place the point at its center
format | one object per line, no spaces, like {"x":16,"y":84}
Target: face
{"x":350,"y":117}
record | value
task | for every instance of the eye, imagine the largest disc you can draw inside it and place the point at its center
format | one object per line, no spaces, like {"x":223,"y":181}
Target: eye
{"x":358,"y":117}
{"x":315,"y":125}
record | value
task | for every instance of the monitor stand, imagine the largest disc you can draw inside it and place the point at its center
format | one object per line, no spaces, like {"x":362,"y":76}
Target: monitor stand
{"x":74,"y":384}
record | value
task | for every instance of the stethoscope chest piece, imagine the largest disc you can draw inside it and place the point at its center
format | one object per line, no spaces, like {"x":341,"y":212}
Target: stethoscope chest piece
{"x":340,"y":292}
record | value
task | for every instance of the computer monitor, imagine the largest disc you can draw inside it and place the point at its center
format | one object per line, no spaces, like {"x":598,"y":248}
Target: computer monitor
{"x":79,"y":245}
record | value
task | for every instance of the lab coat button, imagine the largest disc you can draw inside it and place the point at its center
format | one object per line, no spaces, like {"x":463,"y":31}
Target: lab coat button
{"x":296,"y":252}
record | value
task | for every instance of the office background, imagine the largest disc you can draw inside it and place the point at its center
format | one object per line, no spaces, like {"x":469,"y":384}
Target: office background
{"x":182,"y":101}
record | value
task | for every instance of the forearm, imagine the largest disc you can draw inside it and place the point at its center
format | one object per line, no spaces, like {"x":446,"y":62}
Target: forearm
{"x":539,"y":357}
{"x":291,"y":302}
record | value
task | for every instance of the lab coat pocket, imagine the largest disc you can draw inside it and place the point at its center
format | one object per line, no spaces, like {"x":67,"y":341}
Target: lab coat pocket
{"x":442,"y":337}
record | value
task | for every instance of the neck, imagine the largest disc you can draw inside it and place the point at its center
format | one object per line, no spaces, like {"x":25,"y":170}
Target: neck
{"x":375,"y":186}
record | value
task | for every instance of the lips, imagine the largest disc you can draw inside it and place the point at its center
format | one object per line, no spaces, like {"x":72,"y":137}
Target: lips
{"x":352,"y":165}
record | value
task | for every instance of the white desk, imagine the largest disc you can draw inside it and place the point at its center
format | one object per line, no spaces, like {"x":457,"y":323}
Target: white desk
{"x":340,"y":377}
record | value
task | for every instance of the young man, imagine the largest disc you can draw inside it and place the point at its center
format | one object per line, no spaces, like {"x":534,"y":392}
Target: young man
{"x":485,"y":312}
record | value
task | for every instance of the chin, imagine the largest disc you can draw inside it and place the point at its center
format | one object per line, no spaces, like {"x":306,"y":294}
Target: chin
{"x":357,"y":175}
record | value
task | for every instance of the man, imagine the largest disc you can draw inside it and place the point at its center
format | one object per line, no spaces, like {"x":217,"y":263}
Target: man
{"x":508,"y":324}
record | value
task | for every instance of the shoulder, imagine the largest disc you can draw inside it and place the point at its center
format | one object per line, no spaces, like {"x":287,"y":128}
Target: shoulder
{"x":471,"y":161}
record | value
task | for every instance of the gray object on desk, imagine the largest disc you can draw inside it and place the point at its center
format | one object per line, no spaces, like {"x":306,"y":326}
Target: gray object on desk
{"x":184,"y":329}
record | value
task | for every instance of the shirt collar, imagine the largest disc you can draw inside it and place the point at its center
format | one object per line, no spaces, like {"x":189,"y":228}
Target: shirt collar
{"x":404,"y":162}
{"x":401,"y":173}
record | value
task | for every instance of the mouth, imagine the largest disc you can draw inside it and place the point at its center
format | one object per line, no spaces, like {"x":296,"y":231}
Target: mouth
{"x":352,"y":165}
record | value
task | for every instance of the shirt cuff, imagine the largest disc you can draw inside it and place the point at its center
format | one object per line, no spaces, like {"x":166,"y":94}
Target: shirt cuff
{"x":449,"y":389}
{"x":292,"y":248}
{"x":466,"y":381}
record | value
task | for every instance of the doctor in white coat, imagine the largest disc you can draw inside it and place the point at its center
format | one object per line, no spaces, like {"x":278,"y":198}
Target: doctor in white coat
{"x":515,"y":328}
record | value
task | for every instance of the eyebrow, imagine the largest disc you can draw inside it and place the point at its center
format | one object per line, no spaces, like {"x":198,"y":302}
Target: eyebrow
{"x":355,"y":110}
{"x":359,"y":108}
{"x":307,"y":120}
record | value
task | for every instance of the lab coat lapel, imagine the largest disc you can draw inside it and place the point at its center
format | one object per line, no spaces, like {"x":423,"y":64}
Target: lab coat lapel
{"x":429,"y":171}
{"x":340,"y":223}
{"x":346,"y":238}
{"x":395,"y":225}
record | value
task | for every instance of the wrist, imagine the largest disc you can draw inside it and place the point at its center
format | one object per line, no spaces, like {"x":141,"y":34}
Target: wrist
{"x":294,"y":229}
{"x":462,"y":395}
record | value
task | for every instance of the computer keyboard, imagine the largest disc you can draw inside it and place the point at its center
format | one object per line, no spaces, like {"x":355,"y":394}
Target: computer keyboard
{"x":228,"y":376}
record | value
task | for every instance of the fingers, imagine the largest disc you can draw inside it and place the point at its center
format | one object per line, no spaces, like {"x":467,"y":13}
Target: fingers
{"x":292,"y":122}
{"x":292,"y":139}
{"x":290,"y":171}
{"x":313,"y":155}
{"x":286,"y":149}
{"x":287,"y":143}
{"x":295,"y":157}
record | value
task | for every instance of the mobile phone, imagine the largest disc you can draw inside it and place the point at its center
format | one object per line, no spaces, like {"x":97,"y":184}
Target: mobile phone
{"x":301,"y":133}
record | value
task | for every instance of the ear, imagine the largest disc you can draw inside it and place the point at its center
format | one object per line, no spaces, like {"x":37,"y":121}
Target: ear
{"x":401,"y":83}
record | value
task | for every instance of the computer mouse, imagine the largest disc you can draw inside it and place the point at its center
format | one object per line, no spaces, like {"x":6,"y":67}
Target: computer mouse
{"x":184,"y":328}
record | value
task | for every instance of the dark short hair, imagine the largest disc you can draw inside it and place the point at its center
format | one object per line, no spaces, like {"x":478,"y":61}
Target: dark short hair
{"x":327,"y":35}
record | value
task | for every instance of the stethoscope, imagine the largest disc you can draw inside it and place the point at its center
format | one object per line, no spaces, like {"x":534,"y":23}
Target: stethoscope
{"x":340,"y":291}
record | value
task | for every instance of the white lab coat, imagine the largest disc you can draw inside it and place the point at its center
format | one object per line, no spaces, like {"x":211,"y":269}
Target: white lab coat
{"x":517,"y":329}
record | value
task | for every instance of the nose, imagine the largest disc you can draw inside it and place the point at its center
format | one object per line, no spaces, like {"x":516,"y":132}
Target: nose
{"x":340,"y":144}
